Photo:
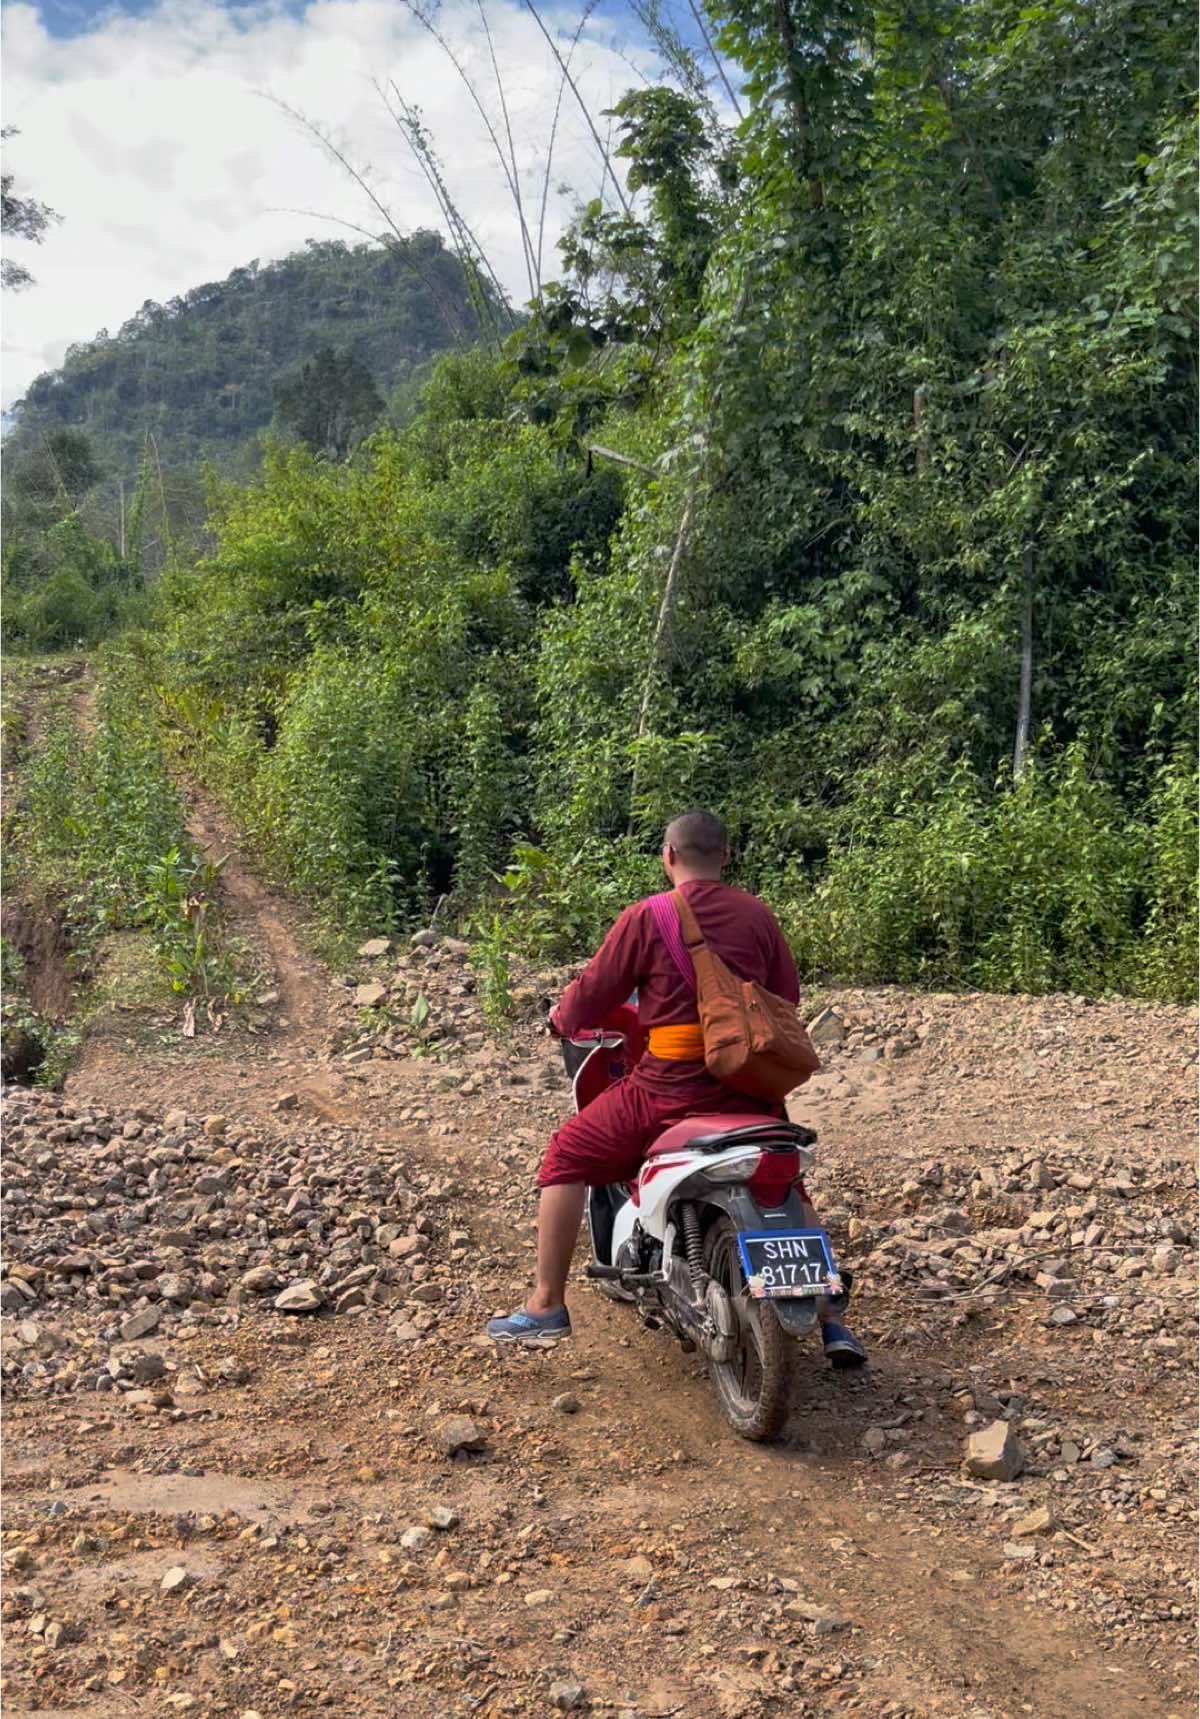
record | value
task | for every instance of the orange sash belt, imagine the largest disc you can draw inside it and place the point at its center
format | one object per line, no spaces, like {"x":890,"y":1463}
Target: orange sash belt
{"x":683,"y":1043}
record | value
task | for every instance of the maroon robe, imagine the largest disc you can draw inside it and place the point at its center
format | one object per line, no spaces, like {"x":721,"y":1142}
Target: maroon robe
{"x":607,"y":1141}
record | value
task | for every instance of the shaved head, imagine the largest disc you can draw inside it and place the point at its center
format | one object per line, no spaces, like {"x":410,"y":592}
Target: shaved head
{"x":699,"y":841}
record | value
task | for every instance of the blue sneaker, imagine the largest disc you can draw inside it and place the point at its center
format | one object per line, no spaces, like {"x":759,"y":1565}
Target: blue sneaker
{"x":842,"y":1347}
{"x":523,"y":1327}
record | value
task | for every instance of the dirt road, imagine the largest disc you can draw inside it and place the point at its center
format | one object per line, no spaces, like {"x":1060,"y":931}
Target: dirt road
{"x":1015,"y":1179}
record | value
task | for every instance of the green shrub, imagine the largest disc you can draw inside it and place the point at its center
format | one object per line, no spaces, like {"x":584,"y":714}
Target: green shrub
{"x":1167,"y":957}
{"x":101,"y":818}
{"x":1045,"y":886}
{"x":339,"y":805}
{"x":489,"y":956}
{"x":66,"y":589}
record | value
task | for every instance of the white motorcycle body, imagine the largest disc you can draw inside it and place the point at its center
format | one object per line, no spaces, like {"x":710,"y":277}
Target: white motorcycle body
{"x":648,"y":1237}
{"x":664,"y":1173}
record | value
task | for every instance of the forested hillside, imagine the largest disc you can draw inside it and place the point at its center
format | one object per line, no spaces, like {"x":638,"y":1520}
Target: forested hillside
{"x":894,"y":565}
{"x":200,"y":372}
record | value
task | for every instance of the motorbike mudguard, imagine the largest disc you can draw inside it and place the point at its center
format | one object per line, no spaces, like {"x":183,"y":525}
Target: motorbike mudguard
{"x":798,"y":1314}
{"x":745,"y":1212}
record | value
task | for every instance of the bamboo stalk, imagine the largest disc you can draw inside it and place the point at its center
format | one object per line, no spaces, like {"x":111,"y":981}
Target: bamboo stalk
{"x":422,"y":17}
{"x":698,"y":15}
{"x":535,"y":281}
{"x":1025,"y":693}
{"x":364,"y":185}
{"x":662,"y":633}
{"x":565,"y":69}
{"x":562,"y":84}
{"x":621,"y":459}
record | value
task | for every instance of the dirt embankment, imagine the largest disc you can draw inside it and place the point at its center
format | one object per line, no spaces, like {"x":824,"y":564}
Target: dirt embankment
{"x":1014,"y":1178}
{"x":35,"y":930}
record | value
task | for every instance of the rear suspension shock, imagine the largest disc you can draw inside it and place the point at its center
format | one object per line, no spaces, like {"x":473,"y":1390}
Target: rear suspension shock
{"x":691,"y":1240}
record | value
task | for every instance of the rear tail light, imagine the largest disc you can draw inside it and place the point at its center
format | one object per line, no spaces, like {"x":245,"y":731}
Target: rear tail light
{"x":771,"y":1182}
{"x":739,"y":1169}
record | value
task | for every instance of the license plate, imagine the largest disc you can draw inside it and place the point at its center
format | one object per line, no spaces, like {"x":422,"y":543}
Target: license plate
{"x":798,"y":1262}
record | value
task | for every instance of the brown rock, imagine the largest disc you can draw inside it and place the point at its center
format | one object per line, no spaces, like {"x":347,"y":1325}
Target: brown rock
{"x":140,"y":1324}
{"x":823,"y":1618}
{"x":994,"y":1454}
{"x":1039,"y":1521}
{"x":304,"y":1296}
{"x":827,"y":1030}
{"x":459,"y":1432}
{"x":260,"y":1279}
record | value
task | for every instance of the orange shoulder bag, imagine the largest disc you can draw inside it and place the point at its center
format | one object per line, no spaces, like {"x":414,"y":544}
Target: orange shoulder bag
{"x":753,"y":1040}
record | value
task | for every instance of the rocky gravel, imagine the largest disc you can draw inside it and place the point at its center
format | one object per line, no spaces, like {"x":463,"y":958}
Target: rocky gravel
{"x":119,"y":1228}
{"x":261,"y":1459}
{"x":426,"y":1000}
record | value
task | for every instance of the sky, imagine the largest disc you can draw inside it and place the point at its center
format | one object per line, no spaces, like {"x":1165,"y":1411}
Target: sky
{"x":154,"y":128}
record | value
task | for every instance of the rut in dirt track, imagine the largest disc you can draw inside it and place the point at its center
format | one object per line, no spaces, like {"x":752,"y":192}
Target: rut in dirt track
{"x":253,"y":911}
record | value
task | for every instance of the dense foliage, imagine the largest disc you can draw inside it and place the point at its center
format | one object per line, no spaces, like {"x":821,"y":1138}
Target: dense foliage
{"x":70,"y":576}
{"x":106,"y":470}
{"x":330,"y":403}
{"x":898,"y":571}
{"x":95,"y":827}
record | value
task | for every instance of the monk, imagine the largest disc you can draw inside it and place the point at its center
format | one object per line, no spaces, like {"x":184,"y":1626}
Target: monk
{"x":607,"y":1141}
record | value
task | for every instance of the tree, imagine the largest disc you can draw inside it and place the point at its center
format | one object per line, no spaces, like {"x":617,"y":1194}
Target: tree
{"x":20,"y":218}
{"x":664,"y":140}
{"x":60,"y":467}
{"x":330,"y":403}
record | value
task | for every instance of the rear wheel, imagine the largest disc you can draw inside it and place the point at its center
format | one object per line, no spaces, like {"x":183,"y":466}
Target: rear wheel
{"x":753,"y":1387}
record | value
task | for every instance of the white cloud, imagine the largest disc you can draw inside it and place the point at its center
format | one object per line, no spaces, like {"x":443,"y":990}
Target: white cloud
{"x":153,"y":138}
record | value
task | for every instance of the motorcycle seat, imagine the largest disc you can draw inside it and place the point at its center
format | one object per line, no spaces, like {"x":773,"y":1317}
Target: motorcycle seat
{"x":720,"y":1132}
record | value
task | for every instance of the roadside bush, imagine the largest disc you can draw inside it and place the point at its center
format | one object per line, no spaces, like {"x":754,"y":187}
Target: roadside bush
{"x":1167,"y":957}
{"x":73,"y":592}
{"x":1047,"y":885}
{"x":100,"y":809}
{"x":340,"y":805}
{"x":100,"y":818}
{"x":560,"y":904}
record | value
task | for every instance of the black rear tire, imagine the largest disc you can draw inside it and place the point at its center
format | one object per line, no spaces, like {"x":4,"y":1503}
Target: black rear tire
{"x":754,"y":1388}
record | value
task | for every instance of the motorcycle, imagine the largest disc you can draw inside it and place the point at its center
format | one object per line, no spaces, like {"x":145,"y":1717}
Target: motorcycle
{"x":711,"y":1240}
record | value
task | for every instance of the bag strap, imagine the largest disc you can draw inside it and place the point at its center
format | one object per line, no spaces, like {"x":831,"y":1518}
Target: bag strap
{"x":689,"y":924}
{"x":667,"y":922}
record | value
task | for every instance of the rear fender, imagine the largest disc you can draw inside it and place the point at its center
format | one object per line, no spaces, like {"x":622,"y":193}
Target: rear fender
{"x":742,"y":1208}
{"x":796,"y":1315}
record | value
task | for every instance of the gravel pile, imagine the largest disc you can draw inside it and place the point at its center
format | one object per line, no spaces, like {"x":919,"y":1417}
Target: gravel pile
{"x":427,"y":1001}
{"x":117,"y":1228}
{"x":1094,"y":1239}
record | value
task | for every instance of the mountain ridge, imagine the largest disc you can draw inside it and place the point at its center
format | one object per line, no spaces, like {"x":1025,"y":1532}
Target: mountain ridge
{"x":198,"y":373}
